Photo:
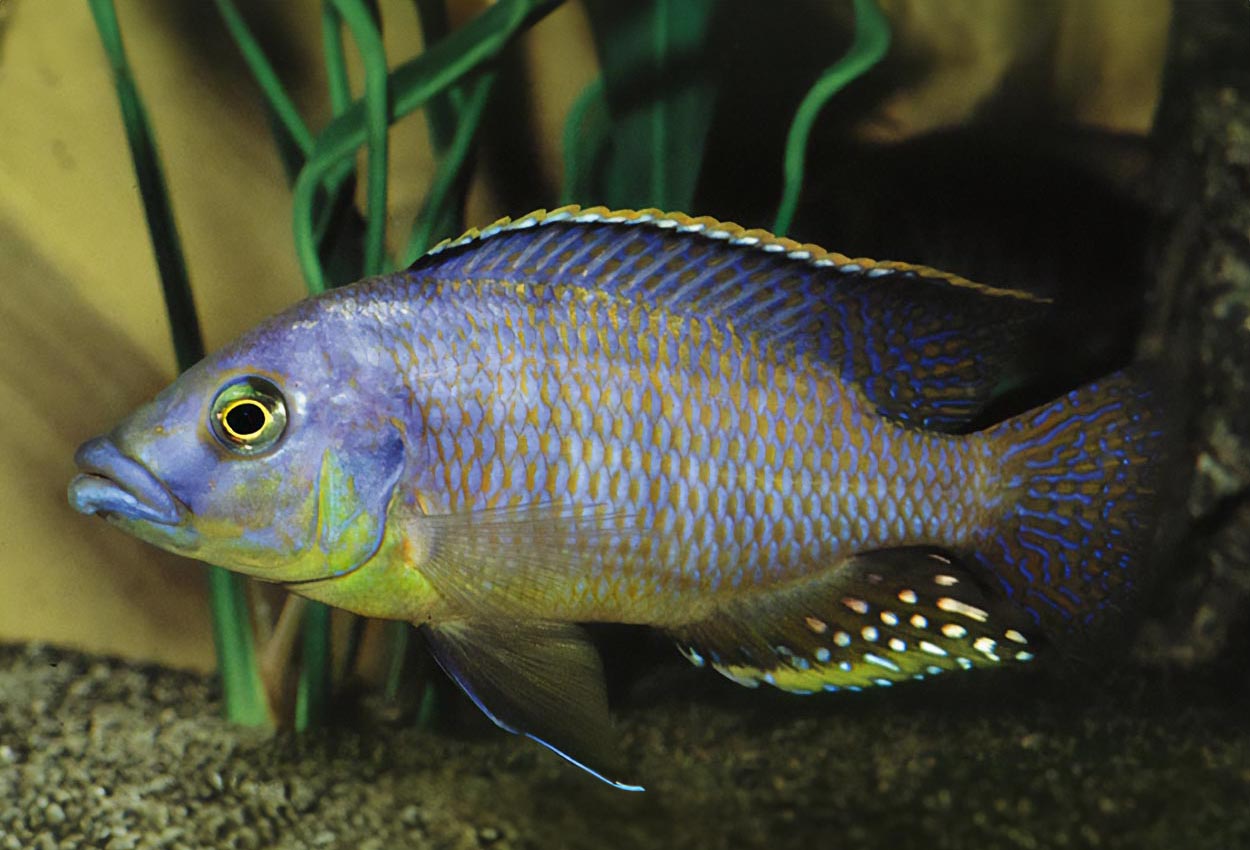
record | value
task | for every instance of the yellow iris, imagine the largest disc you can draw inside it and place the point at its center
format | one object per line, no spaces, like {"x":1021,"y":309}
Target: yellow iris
{"x":248,"y":416}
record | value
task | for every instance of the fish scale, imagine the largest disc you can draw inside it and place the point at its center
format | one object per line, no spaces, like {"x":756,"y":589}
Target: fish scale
{"x":777,"y":484}
{"x":763,"y":448}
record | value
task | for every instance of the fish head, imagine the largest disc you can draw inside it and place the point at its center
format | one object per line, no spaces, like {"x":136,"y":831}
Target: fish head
{"x":268,"y":458}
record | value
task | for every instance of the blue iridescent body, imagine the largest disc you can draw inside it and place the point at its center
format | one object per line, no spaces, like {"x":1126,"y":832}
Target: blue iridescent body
{"x":759,"y":446}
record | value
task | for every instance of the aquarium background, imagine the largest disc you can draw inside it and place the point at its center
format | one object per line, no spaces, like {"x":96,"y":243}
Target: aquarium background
{"x":1012,"y":142}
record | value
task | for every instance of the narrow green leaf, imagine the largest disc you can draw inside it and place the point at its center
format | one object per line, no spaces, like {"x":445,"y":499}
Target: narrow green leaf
{"x":368,"y":40}
{"x":442,"y":112}
{"x":660,"y":95}
{"x":280,"y":102}
{"x":243,"y":691}
{"x":411,"y":85}
{"x":870,"y":43}
{"x":585,"y":139}
{"x":440,"y":213}
{"x":339,"y":231}
{"x":313,"y":689}
{"x":336,"y":61}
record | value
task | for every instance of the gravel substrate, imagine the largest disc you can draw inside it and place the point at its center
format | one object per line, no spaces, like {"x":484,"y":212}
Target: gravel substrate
{"x":101,"y":754}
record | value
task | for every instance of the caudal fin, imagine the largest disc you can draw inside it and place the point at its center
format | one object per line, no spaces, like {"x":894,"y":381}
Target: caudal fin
{"x":1081,"y":482}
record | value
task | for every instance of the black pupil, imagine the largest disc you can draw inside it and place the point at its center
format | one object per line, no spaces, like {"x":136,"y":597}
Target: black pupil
{"x":246,"y":419}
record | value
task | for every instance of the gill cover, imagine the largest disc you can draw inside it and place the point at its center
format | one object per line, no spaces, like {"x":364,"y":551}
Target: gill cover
{"x":353,"y":494}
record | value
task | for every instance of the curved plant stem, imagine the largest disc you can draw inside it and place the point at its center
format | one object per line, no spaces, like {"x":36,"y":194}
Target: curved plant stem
{"x":336,"y":63}
{"x":412,"y":85}
{"x":872,"y":39}
{"x":368,"y":40}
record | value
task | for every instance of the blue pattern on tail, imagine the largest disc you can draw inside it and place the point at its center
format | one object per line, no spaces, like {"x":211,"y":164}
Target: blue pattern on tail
{"x":1080,"y":496}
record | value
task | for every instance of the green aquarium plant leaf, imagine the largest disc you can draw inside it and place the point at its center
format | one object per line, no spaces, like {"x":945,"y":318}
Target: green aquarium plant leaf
{"x":444,"y":116}
{"x":586,"y":132}
{"x":295,"y":141}
{"x":243,"y":690}
{"x":280,"y":102}
{"x":340,"y":86}
{"x":313,"y":690}
{"x":660,"y":95}
{"x":869,"y":45}
{"x":441,"y":213}
{"x":368,"y":39}
{"x":442,"y":112}
{"x":411,"y":86}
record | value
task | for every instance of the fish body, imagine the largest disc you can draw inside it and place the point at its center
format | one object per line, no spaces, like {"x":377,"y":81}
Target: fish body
{"x":760,"y":447}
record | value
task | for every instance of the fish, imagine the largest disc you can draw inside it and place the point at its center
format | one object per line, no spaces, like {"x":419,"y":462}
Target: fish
{"x":771,"y":452}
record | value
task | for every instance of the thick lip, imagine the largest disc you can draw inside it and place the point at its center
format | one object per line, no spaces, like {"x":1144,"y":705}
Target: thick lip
{"x":115,"y":486}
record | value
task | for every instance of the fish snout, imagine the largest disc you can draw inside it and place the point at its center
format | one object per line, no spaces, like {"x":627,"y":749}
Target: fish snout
{"x":111,"y":484}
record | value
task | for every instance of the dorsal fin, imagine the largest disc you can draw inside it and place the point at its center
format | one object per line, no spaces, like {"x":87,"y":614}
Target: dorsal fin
{"x":926,"y":347}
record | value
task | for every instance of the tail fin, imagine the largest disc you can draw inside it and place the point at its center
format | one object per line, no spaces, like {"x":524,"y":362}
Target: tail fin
{"x":1081,"y":483}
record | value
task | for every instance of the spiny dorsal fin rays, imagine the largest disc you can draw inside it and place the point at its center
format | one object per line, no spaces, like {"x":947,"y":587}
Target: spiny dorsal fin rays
{"x":926,"y":347}
{"x":881,"y":618}
{"x":712,"y":228}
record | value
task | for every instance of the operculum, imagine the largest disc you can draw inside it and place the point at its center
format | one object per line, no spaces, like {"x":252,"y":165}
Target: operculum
{"x":352,"y":503}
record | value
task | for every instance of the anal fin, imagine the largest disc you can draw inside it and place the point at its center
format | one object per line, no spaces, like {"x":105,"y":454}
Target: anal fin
{"x":877,"y":619}
{"x":539,"y":679}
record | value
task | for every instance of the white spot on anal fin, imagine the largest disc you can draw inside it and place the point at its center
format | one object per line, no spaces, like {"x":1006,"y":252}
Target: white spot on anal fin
{"x":1015,"y":637}
{"x":907,"y":597}
{"x":944,"y":580}
{"x":881,"y":662}
{"x":869,"y":633}
{"x":954,"y":606}
{"x":954,"y":631}
{"x":859,"y":606}
{"x":986,"y":646}
{"x":816,"y":624}
{"x":889,"y":618}
{"x":932,"y":649}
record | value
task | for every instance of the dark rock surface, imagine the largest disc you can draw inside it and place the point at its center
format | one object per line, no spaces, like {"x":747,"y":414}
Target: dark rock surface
{"x":1202,"y":323}
{"x":96,"y":753}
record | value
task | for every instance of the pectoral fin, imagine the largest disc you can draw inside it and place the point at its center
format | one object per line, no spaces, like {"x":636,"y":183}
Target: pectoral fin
{"x":539,"y":679}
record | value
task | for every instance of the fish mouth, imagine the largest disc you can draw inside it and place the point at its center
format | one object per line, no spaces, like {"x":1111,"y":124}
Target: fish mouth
{"x":115,"y":486}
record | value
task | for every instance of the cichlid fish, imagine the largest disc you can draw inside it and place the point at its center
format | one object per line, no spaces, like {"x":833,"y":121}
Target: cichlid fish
{"x":763,"y":448}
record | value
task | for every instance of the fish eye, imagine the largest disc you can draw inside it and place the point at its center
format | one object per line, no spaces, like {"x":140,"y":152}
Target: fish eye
{"x":248,"y":416}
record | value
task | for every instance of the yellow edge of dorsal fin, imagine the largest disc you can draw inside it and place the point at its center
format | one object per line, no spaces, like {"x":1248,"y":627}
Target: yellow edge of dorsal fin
{"x":735,"y":234}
